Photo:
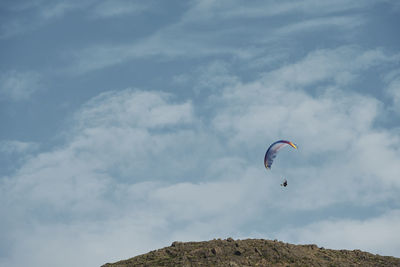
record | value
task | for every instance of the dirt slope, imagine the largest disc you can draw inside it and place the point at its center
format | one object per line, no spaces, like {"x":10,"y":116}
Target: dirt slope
{"x":253,"y":252}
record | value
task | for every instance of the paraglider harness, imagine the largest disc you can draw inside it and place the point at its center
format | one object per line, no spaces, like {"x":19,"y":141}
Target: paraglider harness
{"x":284,"y":183}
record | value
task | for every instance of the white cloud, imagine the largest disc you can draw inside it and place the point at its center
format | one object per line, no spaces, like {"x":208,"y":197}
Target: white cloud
{"x":91,"y":243}
{"x":19,"y":86}
{"x":320,"y":24}
{"x":13,"y":28}
{"x":198,"y":33}
{"x":140,"y":169}
{"x":170,"y":43}
{"x":136,"y":109}
{"x":346,"y":158}
{"x":56,"y":10}
{"x":242,"y":9}
{"x":206,"y":79}
{"x":379,"y":235}
{"x":15,"y":146}
{"x":30,"y":15}
{"x":109,"y":8}
{"x":393,"y":89}
{"x":26,"y":16}
{"x":93,"y":178}
{"x":119,"y":143}
{"x":342,"y":65}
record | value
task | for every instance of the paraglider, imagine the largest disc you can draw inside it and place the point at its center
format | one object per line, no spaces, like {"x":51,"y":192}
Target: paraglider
{"x":272,"y":151}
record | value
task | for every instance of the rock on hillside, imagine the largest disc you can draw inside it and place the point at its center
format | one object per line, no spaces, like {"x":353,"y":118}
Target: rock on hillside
{"x":253,"y":252}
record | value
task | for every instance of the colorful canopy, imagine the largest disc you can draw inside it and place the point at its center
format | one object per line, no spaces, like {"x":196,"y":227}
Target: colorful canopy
{"x":273,"y":151}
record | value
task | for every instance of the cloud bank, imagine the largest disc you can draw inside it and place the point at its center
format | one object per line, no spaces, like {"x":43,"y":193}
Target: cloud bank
{"x":140,"y":169}
{"x":19,"y":86}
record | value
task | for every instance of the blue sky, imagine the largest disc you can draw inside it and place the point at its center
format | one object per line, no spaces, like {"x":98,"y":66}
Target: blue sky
{"x":126,"y":125}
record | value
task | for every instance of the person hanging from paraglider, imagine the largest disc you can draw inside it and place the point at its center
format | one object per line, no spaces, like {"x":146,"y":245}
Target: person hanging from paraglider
{"x":271,"y":153}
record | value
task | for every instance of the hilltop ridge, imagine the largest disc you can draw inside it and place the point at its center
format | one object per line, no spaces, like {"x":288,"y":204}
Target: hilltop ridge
{"x":253,"y":252}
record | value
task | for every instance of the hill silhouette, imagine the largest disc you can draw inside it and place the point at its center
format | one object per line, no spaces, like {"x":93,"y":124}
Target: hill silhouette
{"x":253,"y":252}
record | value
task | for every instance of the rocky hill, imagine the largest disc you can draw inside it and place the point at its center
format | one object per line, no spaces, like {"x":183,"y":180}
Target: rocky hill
{"x":253,"y":252}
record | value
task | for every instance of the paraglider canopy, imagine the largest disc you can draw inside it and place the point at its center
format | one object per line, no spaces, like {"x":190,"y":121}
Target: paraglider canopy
{"x":273,"y":151}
